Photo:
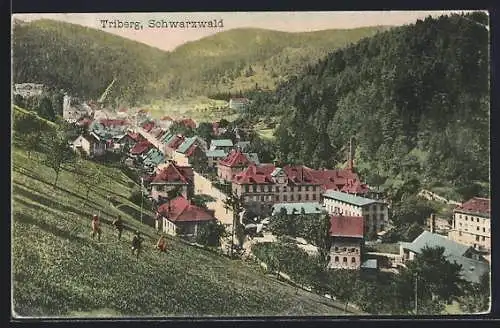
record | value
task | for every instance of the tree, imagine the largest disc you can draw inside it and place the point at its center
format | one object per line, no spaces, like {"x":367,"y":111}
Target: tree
{"x":345,"y":283}
{"x":205,"y":131}
{"x":477,"y":296}
{"x":58,"y":153}
{"x":432,"y":289}
{"x":89,"y":177}
{"x":210,"y":234}
{"x":202,"y":200}
{"x":45,"y":109}
{"x":234,"y":203}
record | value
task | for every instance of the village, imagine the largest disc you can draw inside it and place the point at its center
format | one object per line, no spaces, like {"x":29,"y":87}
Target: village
{"x":174,"y":169}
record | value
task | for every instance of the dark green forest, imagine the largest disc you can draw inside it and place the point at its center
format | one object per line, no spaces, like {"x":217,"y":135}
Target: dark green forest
{"x":84,"y":61}
{"x":416,"y":100}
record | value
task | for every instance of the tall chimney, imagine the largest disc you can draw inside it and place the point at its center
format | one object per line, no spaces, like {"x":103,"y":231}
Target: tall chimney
{"x":351,"y":160}
{"x":433,"y":222}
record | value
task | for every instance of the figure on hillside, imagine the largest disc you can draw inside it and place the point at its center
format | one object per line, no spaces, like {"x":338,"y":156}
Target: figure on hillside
{"x":118,"y":224}
{"x":161,"y":245}
{"x":96,"y":227}
{"x":136,"y":243}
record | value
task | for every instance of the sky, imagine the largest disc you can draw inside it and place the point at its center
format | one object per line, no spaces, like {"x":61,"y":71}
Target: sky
{"x":170,"y":38}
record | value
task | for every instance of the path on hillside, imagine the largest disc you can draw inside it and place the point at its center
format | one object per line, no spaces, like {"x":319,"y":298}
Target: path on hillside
{"x":429,"y":195}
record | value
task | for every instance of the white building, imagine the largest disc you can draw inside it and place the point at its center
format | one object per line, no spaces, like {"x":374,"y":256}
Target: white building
{"x":374,"y":212}
{"x":472,"y":224}
{"x":73,"y":112}
{"x":91,"y":145}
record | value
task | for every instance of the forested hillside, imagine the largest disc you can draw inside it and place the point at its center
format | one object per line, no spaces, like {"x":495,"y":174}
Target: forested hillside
{"x":84,"y":61}
{"x":243,"y":59}
{"x":415,"y":98}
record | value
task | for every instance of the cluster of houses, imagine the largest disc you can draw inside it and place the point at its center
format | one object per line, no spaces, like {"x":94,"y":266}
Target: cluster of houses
{"x":356,"y":213}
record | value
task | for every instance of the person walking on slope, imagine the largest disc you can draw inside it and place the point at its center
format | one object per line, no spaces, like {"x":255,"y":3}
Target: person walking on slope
{"x":96,"y":227}
{"x":136,"y":243}
{"x":118,"y":224}
{"x":161,"y":245}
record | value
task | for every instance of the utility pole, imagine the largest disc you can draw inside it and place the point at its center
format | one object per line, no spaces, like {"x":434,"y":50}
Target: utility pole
{"x":142,"y":196}
{"x":416,"y":295}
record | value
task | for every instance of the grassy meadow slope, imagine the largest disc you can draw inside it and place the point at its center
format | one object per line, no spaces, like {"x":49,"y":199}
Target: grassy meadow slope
{"x":58,"y":270}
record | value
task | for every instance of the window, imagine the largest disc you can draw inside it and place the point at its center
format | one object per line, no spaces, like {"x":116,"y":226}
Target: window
{"x":336,"y":249}
{"x":261,"y":198}
{"x":336,"y":258}
{"x":291,"y":188}
{"x":460,"y":233}
{"x":314,"y":196}
{"x":299,"y":188}
{"x":344,"y":249}
{"x":285,"y":198}
{"x":353,"y":260}
{"x":277,"y":189}
{"x":466,"y":218}
{"x":477,"y":219}
{"x":284,"y":189}
{"x":307,"y":196}
{"x":291,"y":197}
{"x":483,"y":238}
{"x":269,"y":188}
{"x":382,"y":227}
{"x":262,"y":188}
{"x":246,"y":188}
{"x":299,"y":197}
{"x":484,"y":229}
{"x":254,"y":188}
{"x":307,"y":188}
{"x":477,"y":228}
{"x":344,"y":260}
{"x":277,"y":198}
{"x":477,"y":238}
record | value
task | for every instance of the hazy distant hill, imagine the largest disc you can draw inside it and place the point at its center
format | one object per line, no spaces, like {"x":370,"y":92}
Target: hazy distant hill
{"x":240,"y":59}
{"x":84,"y":60}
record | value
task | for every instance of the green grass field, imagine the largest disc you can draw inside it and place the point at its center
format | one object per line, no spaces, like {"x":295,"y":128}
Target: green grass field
{"x":58,"y":270}
{"x":200,"y":109}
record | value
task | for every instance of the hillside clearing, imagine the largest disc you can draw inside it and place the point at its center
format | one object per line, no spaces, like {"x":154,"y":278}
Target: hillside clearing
{"x":58,"y":270}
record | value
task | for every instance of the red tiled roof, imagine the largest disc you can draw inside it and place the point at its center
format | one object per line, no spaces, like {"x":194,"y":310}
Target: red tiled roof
{"x":335,"y":179}
{"x":191,"y":150}
{"x":346,"y":226}
{"x":84,"y":121}
{"x":235,"y":158}
{"x":148,"y":126}
{"x":355,"y":187}
{"x":174,"y":173}
{"x":142,"y":111}
{"x":254,"y":174}
{"x":181,"y":210}
{"x":123,"y":110}
{"x":175,"y":142}
{"x":476,"y":205}
{"x":300,"y":174}
{"x":112,"y":122}
{"x":166,"y":118}
{"x":135,"y":136}
{"x":140,"y":147}
{"x":188,"y":122}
